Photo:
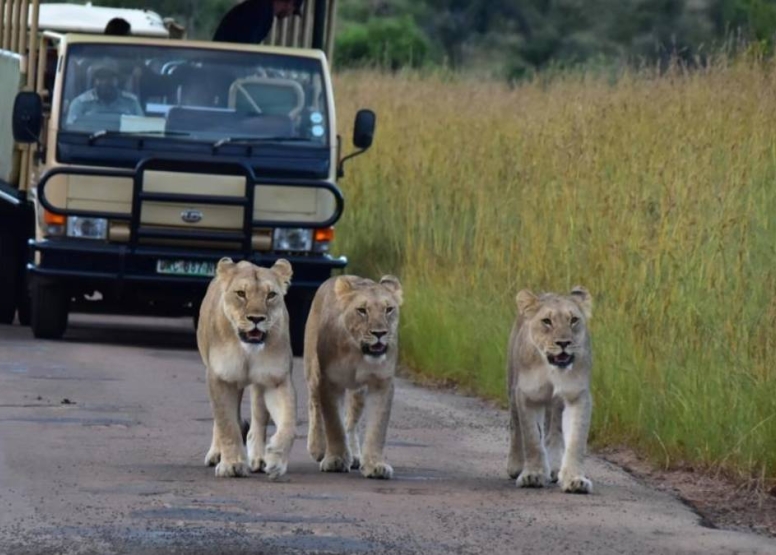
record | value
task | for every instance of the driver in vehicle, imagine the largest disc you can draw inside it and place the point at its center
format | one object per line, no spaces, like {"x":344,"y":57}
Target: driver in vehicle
{"x":105,"y":96}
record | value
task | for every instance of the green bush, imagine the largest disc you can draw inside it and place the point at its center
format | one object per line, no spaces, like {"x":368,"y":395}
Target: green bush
{"x":391,"y":43}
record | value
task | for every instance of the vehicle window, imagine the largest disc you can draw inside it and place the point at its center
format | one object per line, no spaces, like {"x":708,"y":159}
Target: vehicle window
{"x":193,"y":93}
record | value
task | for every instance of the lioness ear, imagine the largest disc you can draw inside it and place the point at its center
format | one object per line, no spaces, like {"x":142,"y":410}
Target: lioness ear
{"x":393,"y":285}
{"x":583,"y":299}
{"x":283,"y":270}
{"x":225,"y":265}
{"x":527,"y":303}
{"x":342,"y":286}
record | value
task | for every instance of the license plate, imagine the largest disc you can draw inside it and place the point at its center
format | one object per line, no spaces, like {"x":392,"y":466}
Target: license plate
{"x":186,"y":268}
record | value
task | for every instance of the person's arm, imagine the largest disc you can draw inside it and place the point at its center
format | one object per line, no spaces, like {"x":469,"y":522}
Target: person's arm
{"x":137,"y":107}
{"x":75,"y":110}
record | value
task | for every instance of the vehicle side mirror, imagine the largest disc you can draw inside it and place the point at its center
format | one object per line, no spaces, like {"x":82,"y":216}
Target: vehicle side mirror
{"x":364,"y":129}
{"x":27,"y":117}
{"x":363,"y":135}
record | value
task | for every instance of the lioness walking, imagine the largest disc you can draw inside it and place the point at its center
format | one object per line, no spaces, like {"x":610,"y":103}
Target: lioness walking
{"x":351,"y":344}
{"x":549,"y":365}
{"x":243,"y":338}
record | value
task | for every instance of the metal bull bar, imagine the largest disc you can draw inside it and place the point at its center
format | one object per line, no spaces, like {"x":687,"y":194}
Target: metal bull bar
{"x":139,"y":196}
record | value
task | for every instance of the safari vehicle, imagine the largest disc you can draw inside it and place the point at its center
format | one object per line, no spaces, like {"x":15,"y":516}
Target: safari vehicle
{"x":131,"y":165}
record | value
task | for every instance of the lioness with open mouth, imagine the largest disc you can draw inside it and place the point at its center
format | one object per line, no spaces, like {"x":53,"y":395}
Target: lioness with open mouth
{"x":243,"y":338}
{"x":549,"y":365}
{"x":351,"y":344}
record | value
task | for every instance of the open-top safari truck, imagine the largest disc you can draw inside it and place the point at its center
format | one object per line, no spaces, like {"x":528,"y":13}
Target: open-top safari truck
{"x":129,"y":165}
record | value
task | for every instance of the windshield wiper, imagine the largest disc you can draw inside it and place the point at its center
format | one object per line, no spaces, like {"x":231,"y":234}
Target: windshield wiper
{"x":110,"y":133}
{"x":256,"y":140}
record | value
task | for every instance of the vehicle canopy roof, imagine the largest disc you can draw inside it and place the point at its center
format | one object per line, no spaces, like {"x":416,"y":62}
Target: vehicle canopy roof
{"x":97,"y":39}
{"x":77,"y":18}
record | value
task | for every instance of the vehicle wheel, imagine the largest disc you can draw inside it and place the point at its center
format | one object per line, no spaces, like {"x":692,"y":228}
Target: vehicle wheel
{"x":50,"y":306}
{"x":298,"y":308}
{"x":9,"y":264}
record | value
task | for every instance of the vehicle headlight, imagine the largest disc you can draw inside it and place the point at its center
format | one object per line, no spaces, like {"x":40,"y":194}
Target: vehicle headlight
{"x":87,"y":228}
{"x":295,"y":239}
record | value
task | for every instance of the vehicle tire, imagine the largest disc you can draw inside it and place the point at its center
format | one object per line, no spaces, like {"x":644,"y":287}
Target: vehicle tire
{"x":298,"y":305}
{"x":9,"y":270}
{"x":50,"y":307}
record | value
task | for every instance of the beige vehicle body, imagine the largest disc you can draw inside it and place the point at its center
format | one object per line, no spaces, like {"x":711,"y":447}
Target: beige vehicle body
{"x":129,"y":165}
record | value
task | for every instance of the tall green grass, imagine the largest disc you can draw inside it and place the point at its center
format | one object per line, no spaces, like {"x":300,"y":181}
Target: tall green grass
{"x":656,"y":192}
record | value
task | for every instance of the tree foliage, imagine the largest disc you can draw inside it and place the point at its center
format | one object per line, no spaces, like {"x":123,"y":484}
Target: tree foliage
{"x":389,"y":42}
{"x":517,"y":36}
{"x":529,"y":35}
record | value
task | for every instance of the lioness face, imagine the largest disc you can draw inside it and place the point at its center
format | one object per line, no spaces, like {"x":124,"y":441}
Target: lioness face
{"x":371,"y":313}
{"x":253,"y":298}
{"x":557,"y":324}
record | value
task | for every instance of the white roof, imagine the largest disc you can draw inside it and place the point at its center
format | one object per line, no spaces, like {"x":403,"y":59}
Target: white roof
{"x":77,"y":18}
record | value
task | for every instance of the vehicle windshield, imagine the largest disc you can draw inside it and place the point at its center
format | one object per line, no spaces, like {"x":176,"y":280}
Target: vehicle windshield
{"x":193,"y":93}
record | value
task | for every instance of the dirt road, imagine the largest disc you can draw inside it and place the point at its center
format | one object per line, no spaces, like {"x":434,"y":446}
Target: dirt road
{"x":103,"y":436}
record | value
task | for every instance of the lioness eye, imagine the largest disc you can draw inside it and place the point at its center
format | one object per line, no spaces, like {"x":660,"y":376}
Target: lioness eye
{"x":547,"y":322}
{"x":361,"y":311}
{"x":574,"y":320}
{"x":271,"y":295}
{"x":389,"y":310}
{"x":241,"y":294}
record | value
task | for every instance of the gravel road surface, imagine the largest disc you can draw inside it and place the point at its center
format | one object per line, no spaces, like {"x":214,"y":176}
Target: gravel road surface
{"x":103,"y":437}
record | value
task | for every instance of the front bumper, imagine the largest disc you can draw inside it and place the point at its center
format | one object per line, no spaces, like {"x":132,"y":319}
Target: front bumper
{"x":84,"y":265}
{"x":125,"y":274}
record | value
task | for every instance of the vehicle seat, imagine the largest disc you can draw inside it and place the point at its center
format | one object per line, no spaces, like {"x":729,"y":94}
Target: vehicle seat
{"x":201,"y":87}
{"x":266,"y":95}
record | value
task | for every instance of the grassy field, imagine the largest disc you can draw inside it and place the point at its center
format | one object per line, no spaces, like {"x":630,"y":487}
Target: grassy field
{"x":656,"y":193}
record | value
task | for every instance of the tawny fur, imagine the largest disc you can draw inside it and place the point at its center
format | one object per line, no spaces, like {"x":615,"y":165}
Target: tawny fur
{"x":350,"y":352}
{"x":549,"y":392}
{"x":245,"y":298}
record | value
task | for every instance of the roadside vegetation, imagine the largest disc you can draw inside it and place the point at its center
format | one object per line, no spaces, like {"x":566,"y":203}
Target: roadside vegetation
{"x":653,"y":189}
{"x":516,"y":149}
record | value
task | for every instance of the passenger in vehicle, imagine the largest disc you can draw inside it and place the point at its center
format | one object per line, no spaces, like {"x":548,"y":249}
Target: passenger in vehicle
{"x":118,"y":26}
{"x":251,"y":21}
{"x":105,"y":96}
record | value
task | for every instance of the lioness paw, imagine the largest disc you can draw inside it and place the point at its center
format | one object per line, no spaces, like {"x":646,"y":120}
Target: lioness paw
{"x":257,"y":464}
{"x":578,"y":484}
{"x":528,"y":479}
{"x":335,"y":464}
{"x":316,"y":445}
{"x":514,"y":468}
{"x":276,"y":467}
{"x":316,"y":452}
{"x":213,"y":457}
{"x":379,"y":471}
{"x":232,"y":470}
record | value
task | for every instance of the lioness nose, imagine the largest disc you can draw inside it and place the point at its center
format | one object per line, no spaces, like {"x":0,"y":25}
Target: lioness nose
{"x":257,"y":319}
{"x":379,"y":334}
{"x":563,"y":344}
